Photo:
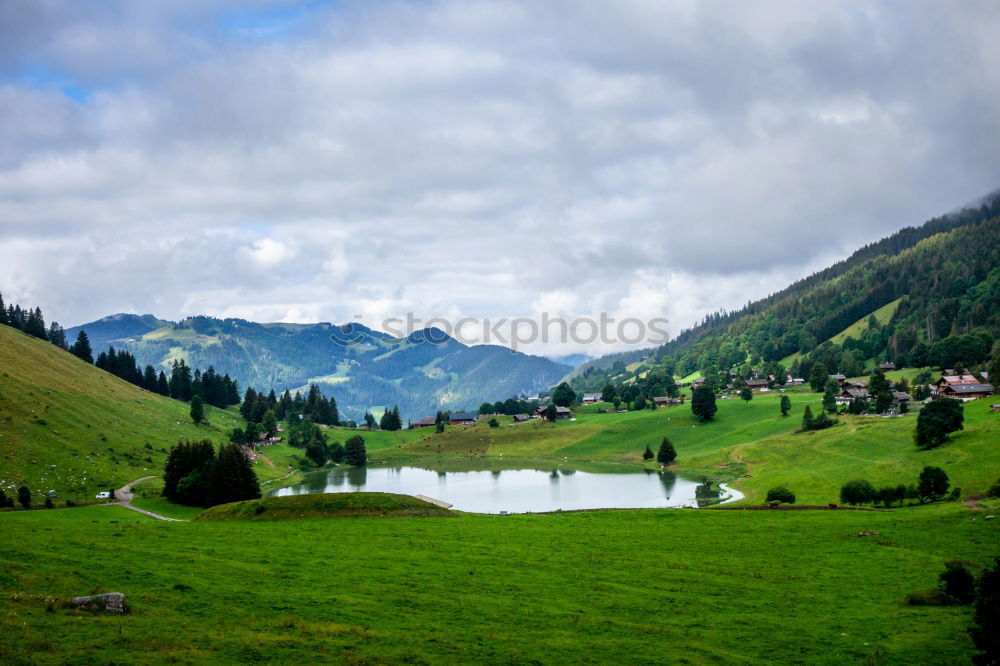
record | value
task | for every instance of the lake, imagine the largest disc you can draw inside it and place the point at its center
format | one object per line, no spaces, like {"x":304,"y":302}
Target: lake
{"x":513,"y":490}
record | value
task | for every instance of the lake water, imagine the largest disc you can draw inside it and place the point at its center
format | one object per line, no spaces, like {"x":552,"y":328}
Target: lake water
{"x":512,"y":490}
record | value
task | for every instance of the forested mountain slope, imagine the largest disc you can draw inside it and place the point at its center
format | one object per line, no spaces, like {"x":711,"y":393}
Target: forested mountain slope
{"x":945,"y":274}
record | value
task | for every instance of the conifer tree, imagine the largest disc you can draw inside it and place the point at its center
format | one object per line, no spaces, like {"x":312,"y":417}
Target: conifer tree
{"x":81,"y":348}
{"x":786,"y":405}
{"x":667,"y":454}
{"x":57,"y":335}
{"x":354,"y":451}
{"x":197,"y":409}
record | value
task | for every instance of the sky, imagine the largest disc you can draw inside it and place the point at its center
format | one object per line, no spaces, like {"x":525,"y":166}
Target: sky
{"x":354,"y":161}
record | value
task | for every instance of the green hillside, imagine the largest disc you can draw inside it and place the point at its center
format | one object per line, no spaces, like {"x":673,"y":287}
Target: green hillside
{"x":934,"y":291}
{"x":326,"y":505}
{"x":70,"y":427}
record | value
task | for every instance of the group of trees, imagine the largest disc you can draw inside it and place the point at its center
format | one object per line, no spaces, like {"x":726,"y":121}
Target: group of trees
{"x":23,"y":498}
{"x":31,"y":322}
{"x":509,"y":407}
{"x":390,"y":420}
{"x":932,"y":485}
{"x":197,"y":475}
{"x":820,"y":422}
{"x":665,"y":455}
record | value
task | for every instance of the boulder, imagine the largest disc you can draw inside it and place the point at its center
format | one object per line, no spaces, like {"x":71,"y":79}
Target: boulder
{"x":109,"y":602}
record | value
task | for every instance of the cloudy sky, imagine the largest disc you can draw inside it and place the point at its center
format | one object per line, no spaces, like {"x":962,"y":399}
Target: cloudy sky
{"x":314,"y":161}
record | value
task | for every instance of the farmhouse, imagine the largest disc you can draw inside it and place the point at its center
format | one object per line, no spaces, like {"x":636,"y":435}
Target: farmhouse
{"x":425,"y":422}
{"x":561,"y":412}
{"x":462,"y":418}
{"x":591,"y":398}
{"x":795,"y":381}
{"x":900,"y":397}
{"x":887,"y":366}
{"x":757,"y":384}
{"x":521,"y":418}
{"x":849,"y":394}
{"x":838,"y":378}
{"x":665,"y":401}
{"x":965,"y":392}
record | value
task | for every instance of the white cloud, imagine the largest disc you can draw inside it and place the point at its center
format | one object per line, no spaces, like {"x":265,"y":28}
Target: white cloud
{"x":475,"y":158}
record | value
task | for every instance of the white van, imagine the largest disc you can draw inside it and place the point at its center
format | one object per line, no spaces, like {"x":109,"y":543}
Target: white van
{"x":104,"y":495}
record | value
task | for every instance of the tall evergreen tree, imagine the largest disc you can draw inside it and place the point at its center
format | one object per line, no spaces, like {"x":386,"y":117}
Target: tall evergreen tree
{"x":81,"y":348}
{"x":3,"y":311}
{"x":703,"y":403}
{"x":57,"y":335}
{"x":162,"y":386}
{"x":667,"y":454}
{"x":197,"y":409}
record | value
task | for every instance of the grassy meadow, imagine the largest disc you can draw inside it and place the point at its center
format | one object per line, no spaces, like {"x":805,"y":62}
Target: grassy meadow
{"x":688,"y":586}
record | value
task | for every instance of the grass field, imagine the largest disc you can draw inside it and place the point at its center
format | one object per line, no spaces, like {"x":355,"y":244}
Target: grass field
{"x":69,"y":427}
{"x":700,"y":587}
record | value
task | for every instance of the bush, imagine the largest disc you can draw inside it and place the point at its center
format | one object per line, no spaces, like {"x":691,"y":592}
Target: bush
{"x":70,"y":504}
{"x":648,"y":453}
{"x":780,"y":494}
{"x":48,"y":502}
{"x":994,"y":490}
{"x":957,"y":582}
{"x":493,"y":423}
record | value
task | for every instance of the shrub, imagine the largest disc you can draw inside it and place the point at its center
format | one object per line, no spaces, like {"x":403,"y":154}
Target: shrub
{"x":994,"y":490}
{"x":781,"y":494}
{"x":986,"y":632}
{"x":957,"y":582}
{"x":48,"y":502}
{"x":648,"y":453}
{"x":70,"y":503}
{"x":493,"y":423}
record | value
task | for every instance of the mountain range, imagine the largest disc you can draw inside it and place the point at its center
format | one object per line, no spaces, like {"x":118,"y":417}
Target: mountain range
{"x":362,"y":368}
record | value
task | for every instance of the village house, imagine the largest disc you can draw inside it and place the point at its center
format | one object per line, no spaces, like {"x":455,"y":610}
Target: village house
{"x":966,"y":392}
{"x":424,"y":422}
{"x":591,"y":398}
{"x":757,"y":384}
{"x":851,"y":393}
{"x":462,"y":418}
{"x":794,"y":381}
{"x":521,"y":418}
{"x":665,"y":401}
{"x":901,"y":397}
{"x":838,"y":378}
{"x":561,"y":412}
{"x":885,"y":367}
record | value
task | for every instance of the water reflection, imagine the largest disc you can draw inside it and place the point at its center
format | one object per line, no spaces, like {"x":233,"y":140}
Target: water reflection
{"x":515,"y":491}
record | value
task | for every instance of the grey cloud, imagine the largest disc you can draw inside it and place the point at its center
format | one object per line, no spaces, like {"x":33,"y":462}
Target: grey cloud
{"x":478,"y":156}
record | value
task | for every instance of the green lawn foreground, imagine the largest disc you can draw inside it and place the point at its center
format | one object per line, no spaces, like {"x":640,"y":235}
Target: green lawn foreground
{"x":691,"y":586}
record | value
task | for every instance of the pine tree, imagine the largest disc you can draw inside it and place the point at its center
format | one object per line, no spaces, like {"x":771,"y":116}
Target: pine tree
{"x":830,"y":396}
{"x":269,"y":423}
{"x":162,"y":386}
{"x":81,"y":348}
{"x":667,"y":454}
{"x":786,"y":405}
{"x":57,"y":335}
{"x":648,"y":453}
{"x":24,"y":497}
{"x":3,"y":314}
{"x":197,"y":409}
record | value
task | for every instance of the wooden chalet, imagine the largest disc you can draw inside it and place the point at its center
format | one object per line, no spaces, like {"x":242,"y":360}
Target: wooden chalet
{"x":561,"y":412}
{"x":665,"y":401}
{"x":425,"y":422}
{"x":965,"y":392}
{"x":591,"y":398}
{"x":462,"y":418}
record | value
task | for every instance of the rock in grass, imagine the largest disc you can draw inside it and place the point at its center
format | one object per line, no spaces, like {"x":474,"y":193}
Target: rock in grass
{"x":109,"y":602}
